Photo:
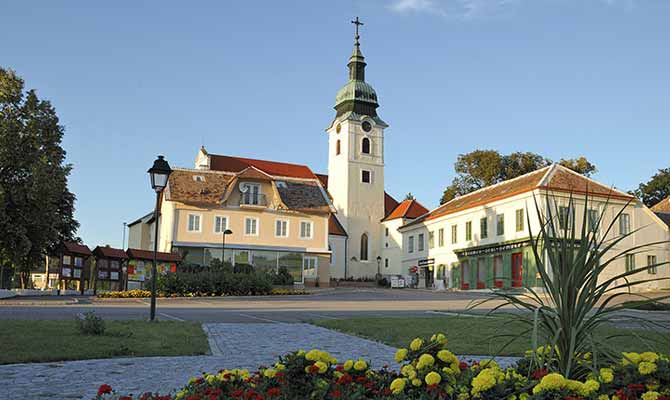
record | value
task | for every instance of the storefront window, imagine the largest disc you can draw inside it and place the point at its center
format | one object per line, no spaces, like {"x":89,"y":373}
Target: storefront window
{"x":310,"y":265}
{"x":265,"y":260}
{"x":242,"y":257}
{"x":293,"y":263}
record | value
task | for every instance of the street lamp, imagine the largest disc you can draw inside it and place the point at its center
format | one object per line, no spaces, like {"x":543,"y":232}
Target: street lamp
{"x":124,"y":278}
{"x":223,"y":246}
{"x":159,"y":173}
{"x":379,"y":266}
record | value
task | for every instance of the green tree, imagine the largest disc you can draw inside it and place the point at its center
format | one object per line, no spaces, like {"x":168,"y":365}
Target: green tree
{"x":36,"y":206}
{"x":656,"y":189}
{"x":481,"y":168}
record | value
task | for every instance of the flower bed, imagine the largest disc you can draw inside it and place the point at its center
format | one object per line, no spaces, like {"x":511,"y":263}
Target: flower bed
{"x":428,"y":371}
{"x":146,"y":293}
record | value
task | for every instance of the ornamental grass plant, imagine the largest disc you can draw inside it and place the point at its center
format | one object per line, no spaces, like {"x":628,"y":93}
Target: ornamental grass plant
{"x":579,"y":290}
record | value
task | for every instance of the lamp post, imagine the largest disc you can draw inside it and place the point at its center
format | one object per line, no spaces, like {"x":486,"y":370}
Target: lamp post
{"x":223,"y":246}
{"x":379,"y":266}
{"x":124,"y":278}
{"x":159,"y":173}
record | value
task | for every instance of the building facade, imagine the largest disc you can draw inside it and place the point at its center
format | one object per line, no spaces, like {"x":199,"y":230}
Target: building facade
{"x":482,"y":240}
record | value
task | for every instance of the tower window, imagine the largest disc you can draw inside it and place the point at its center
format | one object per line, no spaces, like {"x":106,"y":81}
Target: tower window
{"x":337,"y":147}
{"x":365,"y":146}
{"x":364,"y":247}
{"x":365,"y":176}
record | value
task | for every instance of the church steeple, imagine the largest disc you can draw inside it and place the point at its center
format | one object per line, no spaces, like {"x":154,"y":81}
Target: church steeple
{"x":357,"y":61}
{"x":357,"y":98}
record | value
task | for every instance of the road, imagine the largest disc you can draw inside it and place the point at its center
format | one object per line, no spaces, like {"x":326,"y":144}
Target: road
{"x":333,"y":303}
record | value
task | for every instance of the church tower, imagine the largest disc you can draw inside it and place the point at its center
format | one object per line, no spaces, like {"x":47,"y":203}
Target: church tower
{"x":356,"y":166}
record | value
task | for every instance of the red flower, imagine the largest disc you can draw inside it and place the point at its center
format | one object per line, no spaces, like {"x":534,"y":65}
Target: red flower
{"x":636,"y":386}
{"x":463,"y":365}
{"x":125,"y":398}
{"x":361,"y":379}
{"x":275,"y":391}
{"x":339,"y":368}
{"x":344,"y":379}
{"x":104,"y":389}
{"x":539,"y":373}
{"x":336,"y":394}
{"x":237,"y":393}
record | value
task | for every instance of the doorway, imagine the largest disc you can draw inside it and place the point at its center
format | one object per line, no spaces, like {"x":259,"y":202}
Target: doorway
{"x":517,"y":269}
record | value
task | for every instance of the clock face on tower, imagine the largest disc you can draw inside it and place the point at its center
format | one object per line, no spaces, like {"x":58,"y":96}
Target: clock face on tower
{"x":367,"y":126}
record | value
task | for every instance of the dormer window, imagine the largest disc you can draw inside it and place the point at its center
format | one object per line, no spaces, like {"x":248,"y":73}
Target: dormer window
{"x":198,"y":178}
{"x":281,"y":184}
{"x":365,"y":146}
{"x":250,"y":194}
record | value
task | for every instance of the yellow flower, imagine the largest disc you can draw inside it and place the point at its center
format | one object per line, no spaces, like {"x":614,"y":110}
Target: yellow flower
{"x":400,"y":355}
{"x":270,"y":373}
{"x":446,"y":356}
{"x":603,"y":397}
{"x":416,"y":344}
{"x":398,"y":385}
{"x":416,"y":382}
{"x":590,"y":386}
{"x":650,"y":395}
{"x":646,"y":368}
{"x":408,"y":371}
{"x":649,"y":356}
{"x":360,"y":365}
{"x":280,"y":366}
{"x":313,"y":355}
{"x":348,"y":365}
{"x":433,"y":378}
{"x":426,"y":360}
{"x":323,"y":367}
{"x":630,"y":358}
{"x":607,"y":375}
{"x":485,"y":380}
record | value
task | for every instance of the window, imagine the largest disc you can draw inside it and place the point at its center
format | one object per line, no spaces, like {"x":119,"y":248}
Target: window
{"x":332,"y":254}
{"x":251,"y":194}
{"x":431,"y":239}
{"x":365,"y":176}
{"x":624,"y":224}
{"x":251,"y":226}
{"x":364,"y":247}
{"x":454,"y":237}
{"x":386,"y":232}
{"x":594,"y":218}
{"x":410,"y":244}
{"x":220,"y":224}
{"x":500,"y":224}
{"x":386,"y":263}
{"x":651,"y":264}
{"x":281,"y":228}
{"x":630,"y":262}
{"x":468,"y":230}
{"x":306,"y":229}
{"x":519,"y":220}
{"x":337,"y":147}
{"x":484,"y":228}
{"x":365,"y":146}
{"x":419,"y":242}
{"x":440,"y":237}
{"x":310,"y":267}
{"x":193,"y":223}
{"x":565,"y":217}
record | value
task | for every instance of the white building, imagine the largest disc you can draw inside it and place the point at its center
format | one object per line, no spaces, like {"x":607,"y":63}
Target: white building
{"x":482,"y":239}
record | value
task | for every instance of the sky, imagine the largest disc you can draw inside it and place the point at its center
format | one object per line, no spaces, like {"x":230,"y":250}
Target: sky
{"x":133,"y":79}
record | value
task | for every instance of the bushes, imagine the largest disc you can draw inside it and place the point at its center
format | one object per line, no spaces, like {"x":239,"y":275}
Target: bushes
{"x":428,"y":371}
{"x":90,"y":324}
{"x":282,"y":278}
{"x":128,"y":294}
{"x":215,"y":283}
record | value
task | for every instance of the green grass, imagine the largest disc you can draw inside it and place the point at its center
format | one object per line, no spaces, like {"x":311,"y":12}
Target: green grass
{"x":51,"y":340}
{"x":474,"y":336}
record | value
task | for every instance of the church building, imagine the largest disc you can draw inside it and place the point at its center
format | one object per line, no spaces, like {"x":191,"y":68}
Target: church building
{"x":318,"y":226}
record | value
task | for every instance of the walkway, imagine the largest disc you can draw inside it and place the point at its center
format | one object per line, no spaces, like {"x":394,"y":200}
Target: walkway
{"x":233,"y":346}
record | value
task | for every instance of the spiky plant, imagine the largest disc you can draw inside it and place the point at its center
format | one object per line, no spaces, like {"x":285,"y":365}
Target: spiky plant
{"x":576,"y":297}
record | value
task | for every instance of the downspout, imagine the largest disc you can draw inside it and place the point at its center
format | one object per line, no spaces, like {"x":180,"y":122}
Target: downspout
{"x":346,"y":255}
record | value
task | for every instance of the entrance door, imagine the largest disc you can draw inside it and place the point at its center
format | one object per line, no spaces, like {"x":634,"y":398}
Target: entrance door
{"x":517,"y":269}
{"x":465,"y":275}
{"x":481,"y":273}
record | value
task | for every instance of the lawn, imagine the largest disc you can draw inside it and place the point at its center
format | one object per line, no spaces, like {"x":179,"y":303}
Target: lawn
{"x":57,"y":340}
{"x":472,"y":336}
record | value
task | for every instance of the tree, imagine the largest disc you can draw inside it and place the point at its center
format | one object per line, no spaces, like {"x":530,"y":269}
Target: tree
{"x":656,"y":189}
{"x":409,"y":196}
{"x":36,"y":206}
{"x":481,"y":168}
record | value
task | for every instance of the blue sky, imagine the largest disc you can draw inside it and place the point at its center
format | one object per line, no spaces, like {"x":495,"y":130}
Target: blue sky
{"x":133,"y":79}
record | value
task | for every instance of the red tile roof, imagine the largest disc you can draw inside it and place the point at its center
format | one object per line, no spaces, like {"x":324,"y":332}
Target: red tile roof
{"x":76,"y":248}
{"x":389,"y":204}
{"x":137,"y":254}
{"x":110,"y":252}
{"x":237,"y":164}
{"x":552,"y":178}
{"x":334,"y":226}
{"x":407,"y":209}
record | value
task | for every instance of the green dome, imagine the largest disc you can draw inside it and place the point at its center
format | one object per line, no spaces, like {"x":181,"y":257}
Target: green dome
{"x":356,"y":90}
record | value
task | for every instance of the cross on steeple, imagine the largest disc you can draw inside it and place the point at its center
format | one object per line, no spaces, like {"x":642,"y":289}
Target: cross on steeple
{"x":357,"y":23}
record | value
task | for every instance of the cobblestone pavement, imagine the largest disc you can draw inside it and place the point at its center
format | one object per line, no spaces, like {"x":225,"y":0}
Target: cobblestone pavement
{"x":232,"y":345}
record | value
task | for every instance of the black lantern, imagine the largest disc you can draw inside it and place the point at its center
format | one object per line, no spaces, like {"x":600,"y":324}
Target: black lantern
{"x":159,"y":173}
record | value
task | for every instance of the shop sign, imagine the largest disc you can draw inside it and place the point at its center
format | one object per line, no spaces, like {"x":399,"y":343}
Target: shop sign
{"x":493,"y":249}
{"x":426,"y":262}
